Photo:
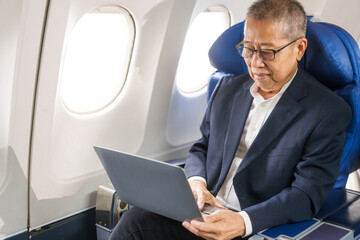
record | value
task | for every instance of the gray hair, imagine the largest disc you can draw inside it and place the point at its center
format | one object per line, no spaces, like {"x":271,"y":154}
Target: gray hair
{"x":289,"y":12}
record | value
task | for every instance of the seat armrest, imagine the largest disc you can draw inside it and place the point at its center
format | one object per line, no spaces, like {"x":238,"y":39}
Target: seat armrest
{"x":348,"y":216}
{"x":337,"y":199}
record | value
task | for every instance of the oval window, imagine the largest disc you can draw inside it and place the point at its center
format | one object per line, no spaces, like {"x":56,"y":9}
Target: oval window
{"x":194,"y":68}
{"x":97,"y":58}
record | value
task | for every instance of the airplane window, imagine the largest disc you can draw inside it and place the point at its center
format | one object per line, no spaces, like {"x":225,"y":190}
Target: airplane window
{"x":194,"y":67}
{"x":96,"y":60}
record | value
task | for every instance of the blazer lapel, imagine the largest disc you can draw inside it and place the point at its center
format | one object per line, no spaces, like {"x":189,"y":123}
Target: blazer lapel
{"x":240,"y":110}
{"x":281,"y":117}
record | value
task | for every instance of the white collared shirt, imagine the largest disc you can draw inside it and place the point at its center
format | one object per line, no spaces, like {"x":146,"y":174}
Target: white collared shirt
{"x":259,"y":112}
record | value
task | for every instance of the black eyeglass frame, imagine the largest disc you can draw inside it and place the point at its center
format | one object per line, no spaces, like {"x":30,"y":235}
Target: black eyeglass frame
{"x":241,"y":45}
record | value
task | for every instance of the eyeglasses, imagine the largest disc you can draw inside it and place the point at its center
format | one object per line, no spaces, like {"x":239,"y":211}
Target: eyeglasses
{"x":264,"y":54}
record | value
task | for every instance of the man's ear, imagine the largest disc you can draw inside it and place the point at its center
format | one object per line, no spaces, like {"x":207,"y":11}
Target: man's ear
{"x":301,"y":47}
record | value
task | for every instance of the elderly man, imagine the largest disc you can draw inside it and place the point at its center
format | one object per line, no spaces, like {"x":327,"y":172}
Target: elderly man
{"x":271,"y":140}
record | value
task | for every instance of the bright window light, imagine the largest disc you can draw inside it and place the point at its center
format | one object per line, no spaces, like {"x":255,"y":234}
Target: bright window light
{"x":97,"y":58}
{"x":194,"y":68}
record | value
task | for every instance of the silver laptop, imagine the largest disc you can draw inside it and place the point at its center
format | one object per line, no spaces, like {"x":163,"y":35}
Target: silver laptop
{"x":152,"y":185}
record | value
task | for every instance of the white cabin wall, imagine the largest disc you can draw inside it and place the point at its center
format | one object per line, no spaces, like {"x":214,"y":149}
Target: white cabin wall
{"x":344,"y":14}
{"x":10,"y":18}
{"x":20,"y":46}
{"x":155,"y":143}
{"x":10,"y":14}
{"x":313,"y":8}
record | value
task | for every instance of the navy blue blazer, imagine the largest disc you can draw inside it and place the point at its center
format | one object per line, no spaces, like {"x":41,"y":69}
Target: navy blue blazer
{"x":294,"y":161}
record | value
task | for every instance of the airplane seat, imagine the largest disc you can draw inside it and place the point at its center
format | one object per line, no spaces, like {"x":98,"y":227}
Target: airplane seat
{"x":332,"y":56}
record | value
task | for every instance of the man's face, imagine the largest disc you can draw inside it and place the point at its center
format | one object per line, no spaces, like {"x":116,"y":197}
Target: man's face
{"x":270,"y":76}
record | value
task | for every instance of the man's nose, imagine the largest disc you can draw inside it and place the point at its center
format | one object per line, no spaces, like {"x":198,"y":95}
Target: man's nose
{"x":256,"y":61}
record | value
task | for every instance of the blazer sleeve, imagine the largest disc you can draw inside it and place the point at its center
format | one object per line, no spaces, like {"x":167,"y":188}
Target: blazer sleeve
{"x":195,"y":164}
{"x":314,"y":176}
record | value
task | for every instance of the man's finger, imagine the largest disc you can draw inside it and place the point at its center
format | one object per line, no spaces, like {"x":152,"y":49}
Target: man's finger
{"x":191,"y":228}
{"x":203,"y":226}
{"x":195,"y":195}
{"x":208,"y":235}
{"x":216,"y":203}
{"x":212,"y":217}
{"x":201,"y":202}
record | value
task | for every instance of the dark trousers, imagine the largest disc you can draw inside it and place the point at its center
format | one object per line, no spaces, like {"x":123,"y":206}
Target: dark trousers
{"x":138,"y":224}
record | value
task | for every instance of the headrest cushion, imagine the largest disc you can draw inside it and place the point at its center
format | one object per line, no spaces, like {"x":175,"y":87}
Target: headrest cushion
{"x":326,"y":57}
{"x":223,"y":54}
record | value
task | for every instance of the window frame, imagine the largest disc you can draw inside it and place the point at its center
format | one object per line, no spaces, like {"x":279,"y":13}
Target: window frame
{"x":128,"y":56}
{"x":195,"y":91}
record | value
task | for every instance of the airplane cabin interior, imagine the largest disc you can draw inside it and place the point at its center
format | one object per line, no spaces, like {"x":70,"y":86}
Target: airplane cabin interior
{"x":136,"y":76}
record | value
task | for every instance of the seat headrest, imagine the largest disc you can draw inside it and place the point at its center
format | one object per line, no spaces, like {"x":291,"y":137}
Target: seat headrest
{"x":223,"y":54}
{"x":326,"y":58}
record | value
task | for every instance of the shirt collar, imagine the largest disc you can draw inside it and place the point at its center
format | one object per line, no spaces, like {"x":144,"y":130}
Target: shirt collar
{"x":254,"y":91}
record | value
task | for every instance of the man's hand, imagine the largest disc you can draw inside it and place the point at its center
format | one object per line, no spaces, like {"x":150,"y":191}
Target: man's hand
{"x":222,"y":224}
{"x":202,"y":195}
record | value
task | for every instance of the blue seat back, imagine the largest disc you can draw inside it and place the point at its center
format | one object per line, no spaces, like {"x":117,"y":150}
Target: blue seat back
{"x":332,"y":56}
